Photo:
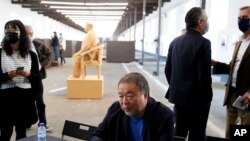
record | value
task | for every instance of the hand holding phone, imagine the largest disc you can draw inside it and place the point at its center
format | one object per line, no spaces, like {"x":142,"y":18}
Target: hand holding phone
{"x":19,"y":70}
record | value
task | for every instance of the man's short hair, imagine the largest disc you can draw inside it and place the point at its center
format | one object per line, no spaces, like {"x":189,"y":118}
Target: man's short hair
{"x":193,"y":16}
{"x":138,"y":79}
{"x":27,"y":27}
{"x":245,"y":7}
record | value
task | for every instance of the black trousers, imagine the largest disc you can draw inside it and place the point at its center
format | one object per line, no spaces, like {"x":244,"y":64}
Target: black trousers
{"x":17,"y":109}
{"x":6,"y":132}
{"x":191,"y":121}
{"x":41,"y":106}
{"x":62,"y":57}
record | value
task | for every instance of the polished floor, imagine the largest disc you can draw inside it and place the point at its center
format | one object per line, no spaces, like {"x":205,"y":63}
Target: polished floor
{"x":92,"y":111}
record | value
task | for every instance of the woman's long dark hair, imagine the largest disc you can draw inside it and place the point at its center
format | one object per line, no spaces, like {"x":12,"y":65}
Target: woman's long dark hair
{"x":24,"y":43}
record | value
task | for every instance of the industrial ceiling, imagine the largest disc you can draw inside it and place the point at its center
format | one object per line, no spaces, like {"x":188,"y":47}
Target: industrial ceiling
{"x":128,"y":12}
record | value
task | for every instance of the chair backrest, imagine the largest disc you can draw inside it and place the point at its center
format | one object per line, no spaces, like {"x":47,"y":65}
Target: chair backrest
{"x":178,"y":138}
{"x":100,"y":54}
{"x":77,"y":130}
{"x":97,"y":60}
{"x":210,"y":138}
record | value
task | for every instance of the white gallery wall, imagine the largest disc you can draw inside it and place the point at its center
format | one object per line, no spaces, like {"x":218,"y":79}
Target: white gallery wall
{"x":43,"y":26}
{"x":224,"y":32}
{"x":223,"y":29}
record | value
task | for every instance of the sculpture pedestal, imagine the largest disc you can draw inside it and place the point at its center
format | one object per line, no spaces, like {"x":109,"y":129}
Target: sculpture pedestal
{"x":89,"y":88}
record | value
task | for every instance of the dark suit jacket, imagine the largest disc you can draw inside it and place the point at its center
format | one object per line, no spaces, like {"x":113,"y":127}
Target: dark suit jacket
{"x":158,"y":124}
{"x":188,"y":70}
{"x":243,"y":73}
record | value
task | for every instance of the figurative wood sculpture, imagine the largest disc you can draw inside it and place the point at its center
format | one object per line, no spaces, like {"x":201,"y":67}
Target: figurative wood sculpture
{"x":88,"y":43}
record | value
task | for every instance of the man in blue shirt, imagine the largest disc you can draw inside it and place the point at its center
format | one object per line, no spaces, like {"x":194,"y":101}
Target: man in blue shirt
{"x":136,"y":116}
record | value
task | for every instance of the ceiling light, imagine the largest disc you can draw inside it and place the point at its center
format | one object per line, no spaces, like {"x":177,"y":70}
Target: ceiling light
{"x":107,"y":4}
{"x":83,"y":16}
{"x":81,"y":3}
{"x":92,"y":14}
{"x":62,"y":2}
{"x":93,"y":17}
{"x":87,"y":7}
{"x":90,"y":11}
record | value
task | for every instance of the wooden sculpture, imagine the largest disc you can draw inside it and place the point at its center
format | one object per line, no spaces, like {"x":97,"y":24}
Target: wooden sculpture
{"x":79,"y":57}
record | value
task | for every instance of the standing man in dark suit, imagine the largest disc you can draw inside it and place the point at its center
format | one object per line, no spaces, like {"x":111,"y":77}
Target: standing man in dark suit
{"x":41,"y":52}
{"x":238,"y":83}
{"x":55,"y":45}
{"x":188,"y":72}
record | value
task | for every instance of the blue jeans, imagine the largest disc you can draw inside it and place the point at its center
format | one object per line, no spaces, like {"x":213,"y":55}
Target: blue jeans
{"x":56,"y":52}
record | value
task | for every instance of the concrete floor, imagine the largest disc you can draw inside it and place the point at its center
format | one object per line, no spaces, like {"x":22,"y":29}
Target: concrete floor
{"x":89,"y":111}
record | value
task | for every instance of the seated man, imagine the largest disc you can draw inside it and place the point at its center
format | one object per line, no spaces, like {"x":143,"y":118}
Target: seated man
{"x":88,"y":43}
{"x":137,"y":116}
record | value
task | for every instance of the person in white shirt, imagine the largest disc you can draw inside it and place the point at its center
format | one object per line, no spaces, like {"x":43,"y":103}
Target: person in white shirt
{"x":238,"y":83}
{"x":19,"y":81}
{"x":62,"y":47}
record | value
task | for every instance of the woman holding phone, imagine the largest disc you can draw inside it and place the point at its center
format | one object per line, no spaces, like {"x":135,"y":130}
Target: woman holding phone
{"x":19,"y":79}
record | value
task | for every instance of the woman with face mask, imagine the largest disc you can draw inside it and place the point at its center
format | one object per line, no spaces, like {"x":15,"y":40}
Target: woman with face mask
{"x":19,"y":80}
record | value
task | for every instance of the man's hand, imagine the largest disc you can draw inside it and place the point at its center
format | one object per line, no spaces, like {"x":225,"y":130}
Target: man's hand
{"x":246,"y":98}
{"x":213,"y":62}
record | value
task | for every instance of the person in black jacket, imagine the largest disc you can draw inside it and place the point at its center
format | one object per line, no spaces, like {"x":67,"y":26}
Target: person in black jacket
{"x":19,"y":81}
{"x":55,"y":46}
{"x":43,"y":54}
{"x":136,"y":116}
{"x":188,"y":72}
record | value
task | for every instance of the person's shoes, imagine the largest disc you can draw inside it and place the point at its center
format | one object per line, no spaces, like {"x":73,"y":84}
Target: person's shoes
{"x":49,"y":129}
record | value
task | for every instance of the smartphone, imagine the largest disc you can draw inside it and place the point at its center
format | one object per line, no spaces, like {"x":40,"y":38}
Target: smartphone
{"x":18,"y":69}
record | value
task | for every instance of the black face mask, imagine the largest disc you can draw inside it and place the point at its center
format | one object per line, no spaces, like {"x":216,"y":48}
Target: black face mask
{"x":244,"y":24}
{"x":11,"y":37}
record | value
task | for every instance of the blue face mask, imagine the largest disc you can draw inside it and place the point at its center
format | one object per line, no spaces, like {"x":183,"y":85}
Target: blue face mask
{"x":206,"y":28}
{"x":244,"y":24}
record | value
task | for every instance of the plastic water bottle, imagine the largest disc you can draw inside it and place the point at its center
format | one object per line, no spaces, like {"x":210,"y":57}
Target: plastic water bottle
{"x":41,"y":133}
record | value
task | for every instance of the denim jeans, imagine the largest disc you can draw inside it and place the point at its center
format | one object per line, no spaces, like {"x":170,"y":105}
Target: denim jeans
{"x":56,"y":52}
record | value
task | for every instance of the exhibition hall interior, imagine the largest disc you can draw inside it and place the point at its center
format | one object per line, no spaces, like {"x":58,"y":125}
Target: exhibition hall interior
{"x":100,"y":41}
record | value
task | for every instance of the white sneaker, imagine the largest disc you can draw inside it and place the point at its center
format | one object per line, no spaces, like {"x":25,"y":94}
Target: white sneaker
{"x":49,"y":129}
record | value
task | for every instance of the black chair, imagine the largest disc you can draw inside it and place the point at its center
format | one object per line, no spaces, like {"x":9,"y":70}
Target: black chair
{"x":77,"y":130}
{"x":178,"y":138}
